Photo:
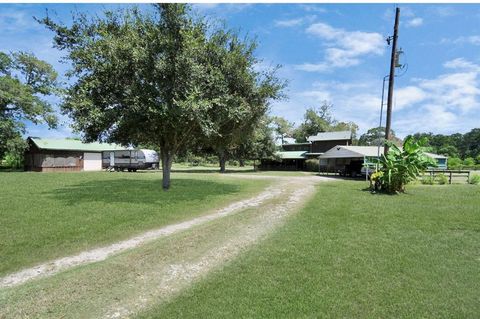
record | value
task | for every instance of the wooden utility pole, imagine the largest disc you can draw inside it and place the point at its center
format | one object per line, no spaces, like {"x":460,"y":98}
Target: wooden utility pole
{"x":391,"y":79}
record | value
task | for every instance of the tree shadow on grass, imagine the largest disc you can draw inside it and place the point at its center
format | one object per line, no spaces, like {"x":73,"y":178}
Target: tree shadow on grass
{"x":379,"y":193}
{"x":200,"y":171}
{"x":141,"y":191}
{"x":215,"y":171}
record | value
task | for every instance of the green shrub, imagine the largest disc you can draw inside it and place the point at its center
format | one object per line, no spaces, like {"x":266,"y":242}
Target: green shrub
{"x":427,"y":180}
{"x":312,"y":165}
{"x":474,"y":179}
{"x":12,"y":161}
{"x":469,"y":161}
{"x":442,"y":179}
{"x":454,"y":163}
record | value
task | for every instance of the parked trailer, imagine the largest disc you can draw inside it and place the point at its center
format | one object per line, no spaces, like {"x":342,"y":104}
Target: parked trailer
{"x":130,"y":160}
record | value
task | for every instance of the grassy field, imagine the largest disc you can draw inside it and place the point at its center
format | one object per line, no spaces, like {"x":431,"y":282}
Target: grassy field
{"x":351,"y":254}
{"x":49,"y":215}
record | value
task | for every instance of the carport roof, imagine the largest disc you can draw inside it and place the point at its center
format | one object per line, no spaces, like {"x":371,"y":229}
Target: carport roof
{"x":344,"y":151}
{"x":292,"y":155}
{"x":74,"y":145}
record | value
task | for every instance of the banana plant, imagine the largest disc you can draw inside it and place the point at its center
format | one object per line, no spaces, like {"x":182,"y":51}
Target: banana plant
{"x":403,"y":165}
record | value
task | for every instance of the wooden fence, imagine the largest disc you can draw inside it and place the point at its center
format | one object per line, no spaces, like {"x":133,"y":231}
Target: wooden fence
{"x":451,"y":174}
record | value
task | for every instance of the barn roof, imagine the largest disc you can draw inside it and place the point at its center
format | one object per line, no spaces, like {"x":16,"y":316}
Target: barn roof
{"x":73,"y":145}
{"x":331,"y":136}
{"x":344,"y":151}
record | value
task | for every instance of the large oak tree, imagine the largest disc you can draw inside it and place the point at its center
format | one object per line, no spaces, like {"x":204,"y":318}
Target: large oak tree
{"x":154,"y":78}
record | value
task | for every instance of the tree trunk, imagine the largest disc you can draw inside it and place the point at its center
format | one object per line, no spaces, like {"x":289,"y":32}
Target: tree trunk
{"x":242,"y":162}
{"x":222,"y":160}
{"x":166,"y":168}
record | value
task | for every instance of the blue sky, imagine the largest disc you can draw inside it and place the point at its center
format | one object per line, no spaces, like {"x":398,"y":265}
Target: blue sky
{"x":333,"y":52}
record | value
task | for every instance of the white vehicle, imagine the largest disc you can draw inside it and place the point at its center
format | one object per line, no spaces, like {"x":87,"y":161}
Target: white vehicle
{"x":130,"y":160}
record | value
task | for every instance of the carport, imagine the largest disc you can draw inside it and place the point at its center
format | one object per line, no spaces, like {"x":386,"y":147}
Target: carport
{"x":347,"y":160}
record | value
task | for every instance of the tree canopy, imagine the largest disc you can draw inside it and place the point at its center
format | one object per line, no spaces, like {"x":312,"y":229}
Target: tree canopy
{"x":376,"y":137}
{"x":25,"y":81}
{"x":456,"y":145}
{"x":320,"y":119}
{"x":282,"y":127}
{"x":160,"y":78}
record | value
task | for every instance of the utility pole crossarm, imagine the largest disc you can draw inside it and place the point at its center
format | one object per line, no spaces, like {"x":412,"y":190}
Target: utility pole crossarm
{"x":391,"y":79}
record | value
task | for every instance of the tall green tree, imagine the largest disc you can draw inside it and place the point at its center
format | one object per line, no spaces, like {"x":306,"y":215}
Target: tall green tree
{"x":25,"y":82}
{"x":282,"y":127}
{"x":260,"y":144}
{"x":471,"y":143}
{"x":239,"y":95}
{"x":347,"y":126}
{"x":315,"y":120}
{"x":376,"y":137}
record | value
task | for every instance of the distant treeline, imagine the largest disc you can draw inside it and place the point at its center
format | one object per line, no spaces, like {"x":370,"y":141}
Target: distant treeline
{"x":463,"y":150}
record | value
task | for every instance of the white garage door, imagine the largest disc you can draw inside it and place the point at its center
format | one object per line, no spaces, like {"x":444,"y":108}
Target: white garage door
{"x":92,"y":161}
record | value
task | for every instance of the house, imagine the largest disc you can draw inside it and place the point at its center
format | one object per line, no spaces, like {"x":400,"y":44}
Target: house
{"x":293,"y":155}
{"x":52,"y":155}
{"x":324,"y":141}
{"x":349,"y":160}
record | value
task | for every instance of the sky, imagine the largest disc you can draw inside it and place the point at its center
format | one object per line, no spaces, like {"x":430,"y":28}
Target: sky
{"x":328,"y":52}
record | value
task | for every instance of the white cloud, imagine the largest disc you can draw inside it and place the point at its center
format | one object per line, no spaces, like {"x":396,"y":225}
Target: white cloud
{"x":289,"y":23}
{"x":415,"y":22}
{"x":444,"y":104}
{"x":345,"y":48}
{"x":443,"y":11}
{"x":408,"y":96}
{"x":462,"y":64}
{"x":313,"y":8}
{"x":473,"y":39}
{"x":17,"y":21}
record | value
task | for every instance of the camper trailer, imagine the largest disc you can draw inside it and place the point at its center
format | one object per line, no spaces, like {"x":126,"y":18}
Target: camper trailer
{"x":130,"y":160}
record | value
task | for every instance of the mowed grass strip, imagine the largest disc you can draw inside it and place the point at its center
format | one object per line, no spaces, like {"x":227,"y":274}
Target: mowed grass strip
{"x":351,"y":254}
{"x":49,"y":215}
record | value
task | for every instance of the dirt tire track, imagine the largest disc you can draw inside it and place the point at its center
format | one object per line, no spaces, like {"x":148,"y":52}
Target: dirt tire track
{"x":144,"y":277}
{"x":102,"y":253}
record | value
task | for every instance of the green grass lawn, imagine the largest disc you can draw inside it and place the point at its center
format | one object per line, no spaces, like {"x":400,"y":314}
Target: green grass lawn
{"x":49,"y":215}
{"x":185,"y":168}
{"x":351,"y":254}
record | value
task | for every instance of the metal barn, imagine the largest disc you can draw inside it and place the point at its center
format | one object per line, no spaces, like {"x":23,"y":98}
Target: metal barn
{"x":65,"y":155}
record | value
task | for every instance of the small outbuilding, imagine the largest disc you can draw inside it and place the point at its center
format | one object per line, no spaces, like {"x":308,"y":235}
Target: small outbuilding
{"x":62,"y":155}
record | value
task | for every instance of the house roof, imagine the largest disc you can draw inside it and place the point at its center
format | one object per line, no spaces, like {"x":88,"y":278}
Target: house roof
{"x":331,"y":136}
{"x":344,"y":151}
{"x":435,"y":156}
{"x":74,"y":145}
{"x":287,"y":144}
{"x":291,"y":155}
